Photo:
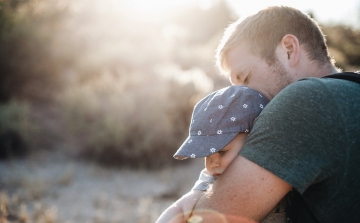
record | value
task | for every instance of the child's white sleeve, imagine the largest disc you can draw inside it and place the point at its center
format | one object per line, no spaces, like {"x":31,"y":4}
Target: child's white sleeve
{"x":204,"y":181}
{"x":181,"y":210}
{"x":173,"y":214}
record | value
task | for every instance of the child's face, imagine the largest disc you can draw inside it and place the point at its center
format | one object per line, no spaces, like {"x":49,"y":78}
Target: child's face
{"x":218,"y":162}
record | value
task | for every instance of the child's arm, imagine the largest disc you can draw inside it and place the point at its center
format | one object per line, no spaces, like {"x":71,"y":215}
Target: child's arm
{"x":181,"y":210}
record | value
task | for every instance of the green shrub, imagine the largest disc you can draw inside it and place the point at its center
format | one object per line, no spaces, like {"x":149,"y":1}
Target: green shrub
{"x":135,"y":120}
{"x":17,"y":130}
{"x":344,"y":44}
{"x":30,"y":67}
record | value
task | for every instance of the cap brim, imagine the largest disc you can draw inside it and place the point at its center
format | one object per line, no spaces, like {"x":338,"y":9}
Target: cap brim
{"x":202,"y":146}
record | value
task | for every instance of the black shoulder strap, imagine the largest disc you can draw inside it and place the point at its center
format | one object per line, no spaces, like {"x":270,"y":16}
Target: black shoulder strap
{"x":350,"y":76}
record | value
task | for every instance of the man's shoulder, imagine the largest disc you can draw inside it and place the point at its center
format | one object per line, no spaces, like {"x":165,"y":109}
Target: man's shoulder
{"x":311,"y":82}
{"x":338,"y":79}
{"x":313,"y":96}
{"x":319,"y":88}
{"x":304,"y":88}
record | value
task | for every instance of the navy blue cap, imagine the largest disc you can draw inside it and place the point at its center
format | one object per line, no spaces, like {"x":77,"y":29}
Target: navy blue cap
{"x":218,"y":118}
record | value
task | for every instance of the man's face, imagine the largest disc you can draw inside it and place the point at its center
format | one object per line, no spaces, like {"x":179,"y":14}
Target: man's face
{"x":244,"y":68}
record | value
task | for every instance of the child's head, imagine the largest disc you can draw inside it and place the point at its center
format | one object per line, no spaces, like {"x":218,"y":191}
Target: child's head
{"x":219,"y":125}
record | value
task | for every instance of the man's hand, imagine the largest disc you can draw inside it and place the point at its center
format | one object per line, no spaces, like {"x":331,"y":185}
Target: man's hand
{"x":245,"y":192}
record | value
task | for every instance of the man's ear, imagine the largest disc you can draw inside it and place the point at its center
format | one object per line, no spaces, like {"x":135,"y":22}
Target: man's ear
{"x":290,"y":45}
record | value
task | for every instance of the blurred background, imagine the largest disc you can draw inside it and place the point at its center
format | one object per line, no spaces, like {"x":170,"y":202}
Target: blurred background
{"x":110,"y":85}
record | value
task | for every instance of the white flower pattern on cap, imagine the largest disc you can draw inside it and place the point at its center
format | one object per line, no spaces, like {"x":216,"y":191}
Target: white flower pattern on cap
{"x":218,"y":116}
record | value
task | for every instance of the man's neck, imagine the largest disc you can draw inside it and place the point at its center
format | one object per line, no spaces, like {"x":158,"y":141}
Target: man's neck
{"x":321,"y":71}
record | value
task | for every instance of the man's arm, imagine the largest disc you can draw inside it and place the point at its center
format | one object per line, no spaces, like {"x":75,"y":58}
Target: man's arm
{"x":245,"y":192}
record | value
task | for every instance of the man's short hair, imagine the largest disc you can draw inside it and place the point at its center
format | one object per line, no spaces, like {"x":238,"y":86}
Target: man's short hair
{"x":264,"y":30}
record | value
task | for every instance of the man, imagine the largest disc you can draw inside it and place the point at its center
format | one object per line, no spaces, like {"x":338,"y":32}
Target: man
{"x":307,"y":139}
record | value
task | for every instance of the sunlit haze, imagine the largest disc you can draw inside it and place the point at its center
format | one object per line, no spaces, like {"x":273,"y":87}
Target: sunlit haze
{"x":159,"y":6}
{"x":345,"y":11}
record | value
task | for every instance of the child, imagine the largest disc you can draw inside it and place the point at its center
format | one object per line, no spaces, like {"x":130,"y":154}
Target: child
{"x":219,"y":125}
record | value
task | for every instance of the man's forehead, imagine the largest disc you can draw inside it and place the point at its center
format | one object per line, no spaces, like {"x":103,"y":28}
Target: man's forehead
{"x":236,"y":66}
{"x":237,"y":55}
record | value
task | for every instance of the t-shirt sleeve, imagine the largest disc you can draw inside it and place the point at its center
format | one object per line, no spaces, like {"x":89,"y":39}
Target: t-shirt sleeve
{"x":296,"y":136}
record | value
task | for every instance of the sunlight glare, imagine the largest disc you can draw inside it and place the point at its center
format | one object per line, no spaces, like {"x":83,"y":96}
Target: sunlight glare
{"x":153,"y":7}
{"x":205,"y":4}
{"x":324,"y":11}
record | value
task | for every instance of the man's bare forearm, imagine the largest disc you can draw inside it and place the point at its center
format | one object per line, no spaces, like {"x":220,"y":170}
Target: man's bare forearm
{"x":244,"y":193}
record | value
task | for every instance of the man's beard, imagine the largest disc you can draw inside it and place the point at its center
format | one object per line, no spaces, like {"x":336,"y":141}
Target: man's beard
{"x":281,"y":76}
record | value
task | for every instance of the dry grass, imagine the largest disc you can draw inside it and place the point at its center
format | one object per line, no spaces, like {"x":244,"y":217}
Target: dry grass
{"x":11,"y":210}
{"x":65,"y":191}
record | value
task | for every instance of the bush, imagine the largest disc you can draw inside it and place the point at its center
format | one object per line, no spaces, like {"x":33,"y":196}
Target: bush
{"x":136,"y":120}
{"x":17,"y":131}
{"x":29,"y":66}
{"x":344,"y":44}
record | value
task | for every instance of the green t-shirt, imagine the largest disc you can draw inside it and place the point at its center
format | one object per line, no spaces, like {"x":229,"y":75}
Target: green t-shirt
{"x":309,"y":136}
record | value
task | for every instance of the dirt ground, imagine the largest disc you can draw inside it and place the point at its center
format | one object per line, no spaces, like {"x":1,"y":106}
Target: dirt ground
{"x":51,"y":187}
